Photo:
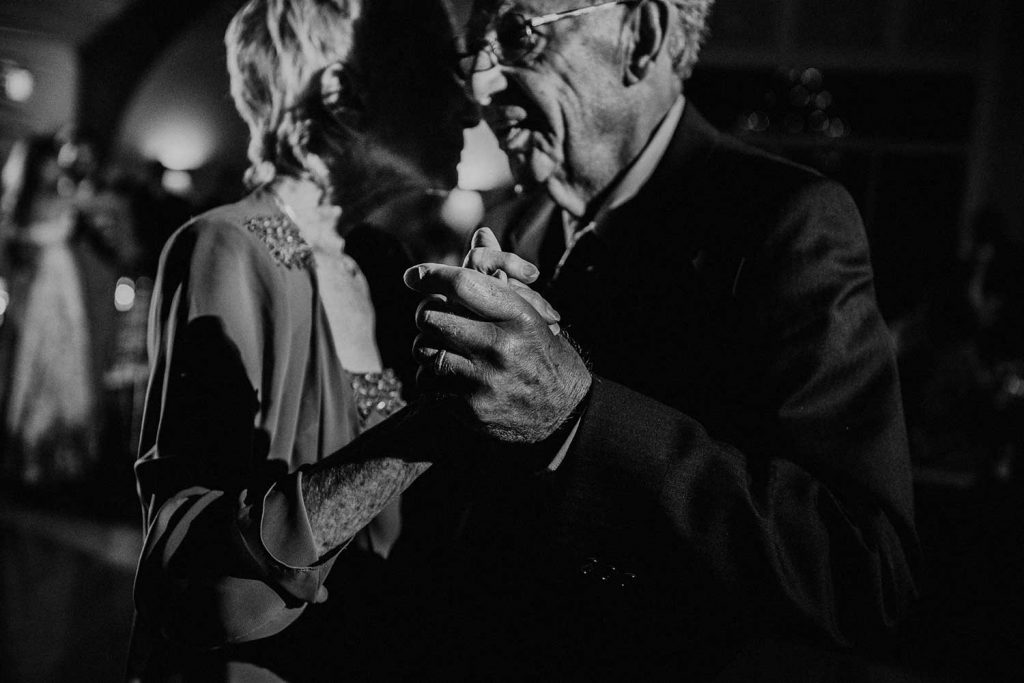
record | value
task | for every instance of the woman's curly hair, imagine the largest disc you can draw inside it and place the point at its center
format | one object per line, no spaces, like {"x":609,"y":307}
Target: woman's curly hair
{"x":277,"y":50}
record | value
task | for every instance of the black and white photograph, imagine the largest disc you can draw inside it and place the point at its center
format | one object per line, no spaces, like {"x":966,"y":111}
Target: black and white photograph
{"x":511,"y":340}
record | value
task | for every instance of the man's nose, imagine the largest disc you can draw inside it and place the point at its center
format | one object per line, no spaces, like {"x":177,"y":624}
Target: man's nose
{"x":483,"y":85}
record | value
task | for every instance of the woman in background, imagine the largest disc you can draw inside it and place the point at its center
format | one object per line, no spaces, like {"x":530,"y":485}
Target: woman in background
{"x":59,"y":272}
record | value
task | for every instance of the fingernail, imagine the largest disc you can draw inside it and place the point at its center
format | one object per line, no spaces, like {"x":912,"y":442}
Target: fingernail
{"x":413,"y":275}
{"x":553,"y":313}
{"x":531,"y":271}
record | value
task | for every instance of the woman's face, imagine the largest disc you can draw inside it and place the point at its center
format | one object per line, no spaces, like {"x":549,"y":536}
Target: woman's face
{"x":416,"y":107}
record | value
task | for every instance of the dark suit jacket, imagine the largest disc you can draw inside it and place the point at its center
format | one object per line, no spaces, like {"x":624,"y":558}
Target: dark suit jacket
{"x":742,"y":462}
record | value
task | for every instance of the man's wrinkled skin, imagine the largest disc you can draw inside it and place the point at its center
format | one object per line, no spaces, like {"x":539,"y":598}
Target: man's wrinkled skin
{"x":521,"y":379}
{"x":567,"y":116}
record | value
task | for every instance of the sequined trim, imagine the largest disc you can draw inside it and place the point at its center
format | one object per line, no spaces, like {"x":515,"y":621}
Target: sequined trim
{"x":282,"y":239}
{"x":379,"y":392}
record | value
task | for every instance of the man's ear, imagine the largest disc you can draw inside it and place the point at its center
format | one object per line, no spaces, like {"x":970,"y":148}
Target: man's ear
{"x":650,"y":30}
{"x":341,"y":94}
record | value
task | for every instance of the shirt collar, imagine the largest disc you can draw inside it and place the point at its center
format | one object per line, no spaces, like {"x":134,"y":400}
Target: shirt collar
{"x":637,"y":175}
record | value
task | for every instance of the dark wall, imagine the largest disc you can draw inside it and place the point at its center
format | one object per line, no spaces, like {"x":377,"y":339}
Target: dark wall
{"x":118,"y":57}
{"x":924,"y":99}
{"x":181,"y":112}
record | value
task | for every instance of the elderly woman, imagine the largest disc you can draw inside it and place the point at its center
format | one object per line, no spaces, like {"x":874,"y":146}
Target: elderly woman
{"x":280,"y":332}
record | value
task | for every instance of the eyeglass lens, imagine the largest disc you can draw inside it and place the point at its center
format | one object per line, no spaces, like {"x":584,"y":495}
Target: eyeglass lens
{"x":515,"y":37}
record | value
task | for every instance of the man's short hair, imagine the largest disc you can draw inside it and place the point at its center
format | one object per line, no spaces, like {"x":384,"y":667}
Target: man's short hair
{"x":685,"y":42}
{"x":684,"y":45}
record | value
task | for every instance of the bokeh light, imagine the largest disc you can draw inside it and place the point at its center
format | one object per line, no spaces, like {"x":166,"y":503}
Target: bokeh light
{"x":19,"y":84}
{"x":796,"y":105}
{"x":5,"y":299}
{"x":462,"y":210}
{"x":177,"y":182}
{"x":124,"y":295}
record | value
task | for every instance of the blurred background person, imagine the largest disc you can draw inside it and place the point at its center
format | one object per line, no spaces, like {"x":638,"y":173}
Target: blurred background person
{"x":59,"y":260}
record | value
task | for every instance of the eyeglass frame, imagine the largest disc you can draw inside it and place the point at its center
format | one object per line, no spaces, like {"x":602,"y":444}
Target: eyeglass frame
{"x":493,"y":49}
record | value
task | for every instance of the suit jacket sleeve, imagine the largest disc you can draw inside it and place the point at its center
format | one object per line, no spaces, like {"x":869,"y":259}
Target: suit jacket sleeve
{"x":229,"y":554}
{"x":814,"y":522}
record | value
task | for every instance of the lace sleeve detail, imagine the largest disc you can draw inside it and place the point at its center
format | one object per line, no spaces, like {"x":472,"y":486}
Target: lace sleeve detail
{"x":282,"y":239}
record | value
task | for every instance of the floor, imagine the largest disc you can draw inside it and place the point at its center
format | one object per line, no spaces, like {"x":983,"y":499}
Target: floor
{"x":66,"y":583}
{"x":65,"y":595}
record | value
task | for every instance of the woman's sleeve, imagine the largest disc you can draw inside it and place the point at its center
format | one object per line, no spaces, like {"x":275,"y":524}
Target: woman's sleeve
{"x":229,"y":553}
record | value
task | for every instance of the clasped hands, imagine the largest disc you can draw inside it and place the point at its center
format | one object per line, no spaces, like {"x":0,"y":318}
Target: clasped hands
{"x":493,"y":344}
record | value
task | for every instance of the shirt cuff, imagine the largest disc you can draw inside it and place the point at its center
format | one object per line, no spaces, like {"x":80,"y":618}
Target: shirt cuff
{"x":278,"y":536}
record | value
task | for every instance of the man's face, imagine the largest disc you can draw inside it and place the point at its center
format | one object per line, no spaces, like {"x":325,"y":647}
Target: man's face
{"x":555,"y":111}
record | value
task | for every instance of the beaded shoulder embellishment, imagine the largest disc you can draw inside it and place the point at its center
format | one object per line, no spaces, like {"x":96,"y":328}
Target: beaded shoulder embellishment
{"x":282,"y":239}
{"x":379,"y":392}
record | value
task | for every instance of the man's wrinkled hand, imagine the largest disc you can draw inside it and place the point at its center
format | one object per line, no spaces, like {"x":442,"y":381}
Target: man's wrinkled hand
{"x":481,"y":340}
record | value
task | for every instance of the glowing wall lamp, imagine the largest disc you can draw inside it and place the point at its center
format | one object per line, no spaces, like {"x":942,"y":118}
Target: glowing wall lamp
{"x":178,"y":144}
{"x":181,"y":145}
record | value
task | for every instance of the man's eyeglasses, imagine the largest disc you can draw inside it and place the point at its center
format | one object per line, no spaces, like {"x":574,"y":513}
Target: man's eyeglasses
{"x":516,"y":38}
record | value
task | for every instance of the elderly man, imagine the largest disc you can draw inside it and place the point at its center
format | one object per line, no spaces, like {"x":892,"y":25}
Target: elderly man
{"x":721,"y":454}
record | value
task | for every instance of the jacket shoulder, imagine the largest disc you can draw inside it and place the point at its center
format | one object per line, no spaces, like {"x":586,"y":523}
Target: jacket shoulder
{"x":757,"y":197}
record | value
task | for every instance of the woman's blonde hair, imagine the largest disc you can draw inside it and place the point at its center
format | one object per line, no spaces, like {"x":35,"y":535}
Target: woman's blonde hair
{"x":277,"y":51}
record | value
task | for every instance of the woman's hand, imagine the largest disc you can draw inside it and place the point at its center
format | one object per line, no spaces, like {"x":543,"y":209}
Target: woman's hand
{"x":485,"y":256}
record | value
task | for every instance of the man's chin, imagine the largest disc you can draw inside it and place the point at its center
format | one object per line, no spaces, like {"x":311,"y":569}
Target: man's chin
{"x":539,"y":169}
{"x":531,"y":169}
